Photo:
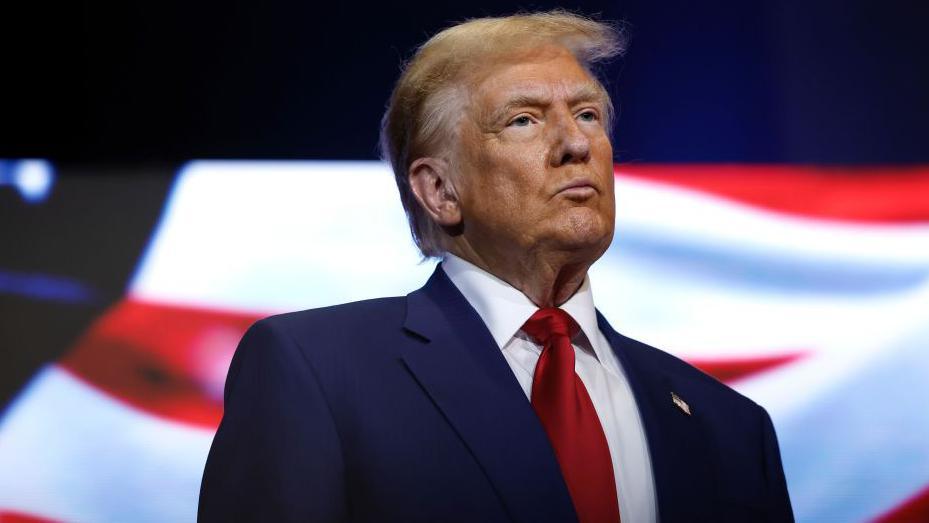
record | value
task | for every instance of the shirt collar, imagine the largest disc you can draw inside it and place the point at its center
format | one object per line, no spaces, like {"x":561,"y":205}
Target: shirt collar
{"x":505,"y":308}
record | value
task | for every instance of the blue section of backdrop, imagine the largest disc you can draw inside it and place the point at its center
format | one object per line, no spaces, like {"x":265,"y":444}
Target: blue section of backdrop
{"x":719,"y":81}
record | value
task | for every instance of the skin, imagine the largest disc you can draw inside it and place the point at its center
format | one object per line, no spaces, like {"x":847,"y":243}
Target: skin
{"x":528,"y":191}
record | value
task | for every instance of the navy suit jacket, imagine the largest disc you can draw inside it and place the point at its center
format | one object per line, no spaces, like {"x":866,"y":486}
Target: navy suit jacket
{"x":404,"y":409}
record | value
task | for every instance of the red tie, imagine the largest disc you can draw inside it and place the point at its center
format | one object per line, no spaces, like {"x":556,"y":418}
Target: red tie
{"x":569,"y":418}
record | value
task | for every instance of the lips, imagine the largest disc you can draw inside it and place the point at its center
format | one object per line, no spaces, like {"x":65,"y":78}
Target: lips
{"x":579,"y":189}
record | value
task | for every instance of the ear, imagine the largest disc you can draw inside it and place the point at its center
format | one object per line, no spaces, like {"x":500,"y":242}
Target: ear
{"x":432,"y":185}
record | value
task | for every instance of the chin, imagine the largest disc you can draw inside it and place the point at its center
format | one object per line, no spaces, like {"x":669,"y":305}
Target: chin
{"x":589,"y":235}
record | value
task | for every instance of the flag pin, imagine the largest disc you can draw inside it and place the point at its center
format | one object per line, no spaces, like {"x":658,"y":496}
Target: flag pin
{"x":681,"y":404}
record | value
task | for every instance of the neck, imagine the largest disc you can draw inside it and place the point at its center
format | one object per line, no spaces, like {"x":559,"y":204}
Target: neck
{"x":547,"y":279}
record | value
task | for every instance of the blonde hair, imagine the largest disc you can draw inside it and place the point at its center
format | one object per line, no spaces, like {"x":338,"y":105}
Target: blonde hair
{"x":427,"y":100}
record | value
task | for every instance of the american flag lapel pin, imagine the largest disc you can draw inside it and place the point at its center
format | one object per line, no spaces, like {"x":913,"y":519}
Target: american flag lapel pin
{"x":681,"y":404}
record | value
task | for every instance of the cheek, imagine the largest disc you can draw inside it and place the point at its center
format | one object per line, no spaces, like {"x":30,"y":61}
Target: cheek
{"x":605,"y":168}
{"x":609,"y":191}
{"x":508,"y":179}
{"x":491,"y":196}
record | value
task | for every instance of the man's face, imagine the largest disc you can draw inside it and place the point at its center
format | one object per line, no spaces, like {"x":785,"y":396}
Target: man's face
{"x":535,"y":164}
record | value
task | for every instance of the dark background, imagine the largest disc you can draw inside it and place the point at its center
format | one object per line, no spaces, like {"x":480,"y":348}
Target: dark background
{"x":704,"y":81}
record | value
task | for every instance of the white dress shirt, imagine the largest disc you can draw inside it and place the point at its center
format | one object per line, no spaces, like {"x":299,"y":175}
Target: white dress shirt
{"x":505,"y":309}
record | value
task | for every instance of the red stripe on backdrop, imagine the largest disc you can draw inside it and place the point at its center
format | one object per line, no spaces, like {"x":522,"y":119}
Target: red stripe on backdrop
{"x":891,"y":194}
{"x":19,"y":517}
{"x":729,"y":370}
{"x":171,"y":361}
{"x":914,"y":509}
{"x":168,"y":360}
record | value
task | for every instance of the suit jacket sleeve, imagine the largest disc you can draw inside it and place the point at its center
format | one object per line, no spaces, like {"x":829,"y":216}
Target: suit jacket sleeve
{"x":779,"y":509}
{"x":276,"y":455}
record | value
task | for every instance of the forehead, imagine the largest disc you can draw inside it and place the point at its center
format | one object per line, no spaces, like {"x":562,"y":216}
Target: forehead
{"x":543,"y":74}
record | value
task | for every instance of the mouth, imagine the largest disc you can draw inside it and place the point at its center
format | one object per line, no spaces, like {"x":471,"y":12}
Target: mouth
{"x":578,"y":190}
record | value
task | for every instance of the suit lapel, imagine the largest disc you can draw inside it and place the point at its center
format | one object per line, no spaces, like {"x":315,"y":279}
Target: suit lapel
{"x":679,"y":451}
{"x":463,"y":371}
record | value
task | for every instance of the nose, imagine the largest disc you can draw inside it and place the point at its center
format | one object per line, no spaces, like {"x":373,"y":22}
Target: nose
{"x":571,"y":144}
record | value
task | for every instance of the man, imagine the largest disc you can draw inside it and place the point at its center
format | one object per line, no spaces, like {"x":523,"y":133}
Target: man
{"x":496,"y":392}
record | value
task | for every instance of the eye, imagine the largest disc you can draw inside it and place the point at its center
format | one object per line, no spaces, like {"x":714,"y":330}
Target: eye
{"x":520,"y":121}
{"x":588,"y":116}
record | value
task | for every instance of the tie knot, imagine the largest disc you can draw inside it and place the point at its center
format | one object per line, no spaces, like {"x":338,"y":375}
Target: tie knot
{"x":550,"y":322}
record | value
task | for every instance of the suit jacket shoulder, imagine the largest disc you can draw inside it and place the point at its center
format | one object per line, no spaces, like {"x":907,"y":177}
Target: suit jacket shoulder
{"x":718,"y":458}
{"x":681,"y":371}
{"x":344,"y":323}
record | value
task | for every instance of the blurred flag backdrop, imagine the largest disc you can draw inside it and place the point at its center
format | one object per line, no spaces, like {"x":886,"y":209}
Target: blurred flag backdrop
{"x":805,"y":288}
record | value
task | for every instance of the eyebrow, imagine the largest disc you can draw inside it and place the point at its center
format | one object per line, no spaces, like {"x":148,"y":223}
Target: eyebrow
{"x":587,"y":92}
